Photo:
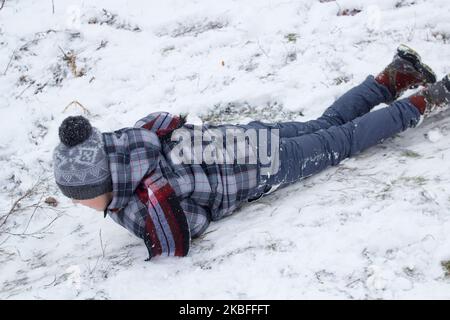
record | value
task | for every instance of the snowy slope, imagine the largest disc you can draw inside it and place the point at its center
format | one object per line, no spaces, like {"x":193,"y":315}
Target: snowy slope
{"x":376,"y":226}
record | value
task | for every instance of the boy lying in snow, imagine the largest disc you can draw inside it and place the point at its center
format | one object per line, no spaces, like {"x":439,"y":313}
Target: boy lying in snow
{"x":144,"y":181}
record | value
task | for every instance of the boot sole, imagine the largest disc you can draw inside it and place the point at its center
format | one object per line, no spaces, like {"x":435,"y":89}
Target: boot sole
{"x":412,"y":56}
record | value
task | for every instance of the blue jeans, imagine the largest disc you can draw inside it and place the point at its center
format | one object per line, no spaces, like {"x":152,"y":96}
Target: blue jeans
{"x":345,"y":129}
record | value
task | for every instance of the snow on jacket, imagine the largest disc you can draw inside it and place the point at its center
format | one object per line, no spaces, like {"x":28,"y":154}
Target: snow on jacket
{"x":165,"y":203}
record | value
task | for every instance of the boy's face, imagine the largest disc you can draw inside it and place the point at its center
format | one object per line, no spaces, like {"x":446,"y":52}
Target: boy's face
{"x":98,"y":203}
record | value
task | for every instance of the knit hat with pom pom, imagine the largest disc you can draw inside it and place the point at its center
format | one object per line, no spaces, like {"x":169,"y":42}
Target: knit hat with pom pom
{"x":80,"y":162}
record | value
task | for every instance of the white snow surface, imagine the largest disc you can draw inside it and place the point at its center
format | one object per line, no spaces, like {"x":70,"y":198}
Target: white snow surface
{"x":375,"y":227}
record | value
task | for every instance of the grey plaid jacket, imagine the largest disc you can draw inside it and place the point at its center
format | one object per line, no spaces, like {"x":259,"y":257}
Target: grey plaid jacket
{"x":205,"y":191}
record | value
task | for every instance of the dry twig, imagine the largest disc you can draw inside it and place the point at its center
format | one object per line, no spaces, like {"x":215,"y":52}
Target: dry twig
{"x":71,"y":60}
{"x":36,"y":234}
{"x":16,"y":203}
{"x":9,"y":62}
{"x":17,"y":206}
{"x":101,"y":243}
{"x":76,"y":103}
{"x":23,"y":91}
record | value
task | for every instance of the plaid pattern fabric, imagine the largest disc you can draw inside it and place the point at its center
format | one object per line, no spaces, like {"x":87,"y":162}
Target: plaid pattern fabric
{"x":143,"y":201}
{"x":132,"y":153}
{"x":144,"y":177}
{"x":161,"y":123}
{"x":166,"y":228}
{"x":207,"y":191}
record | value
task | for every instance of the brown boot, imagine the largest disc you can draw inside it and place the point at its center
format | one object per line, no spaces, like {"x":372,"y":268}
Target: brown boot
{"x":406,"y":71}
{"x":434,"y":96}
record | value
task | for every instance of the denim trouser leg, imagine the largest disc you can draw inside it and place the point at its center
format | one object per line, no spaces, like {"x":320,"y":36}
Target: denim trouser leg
{"x":355,"y":103}
{"x":308,"y":154}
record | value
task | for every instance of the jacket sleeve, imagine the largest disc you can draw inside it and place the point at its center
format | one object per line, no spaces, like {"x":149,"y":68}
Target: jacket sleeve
{"x":161,"y":123}
{"x":197,"y":216}
{"x":166,"y":226}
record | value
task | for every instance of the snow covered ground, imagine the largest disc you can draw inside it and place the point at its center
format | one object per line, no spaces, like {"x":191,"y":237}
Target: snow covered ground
{"x":376,"y":226}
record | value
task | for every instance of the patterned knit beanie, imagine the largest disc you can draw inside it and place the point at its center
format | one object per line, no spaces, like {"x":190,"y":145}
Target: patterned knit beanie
{"x":80,"y":163}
